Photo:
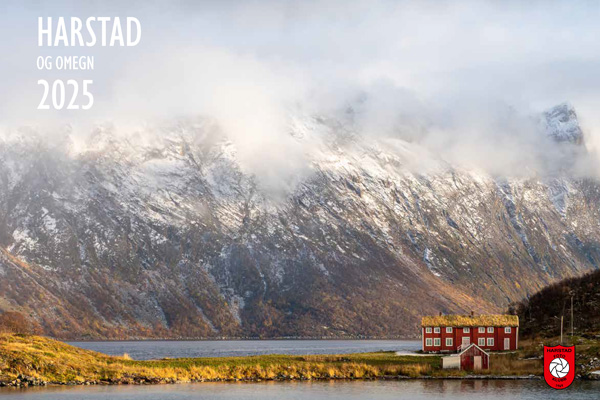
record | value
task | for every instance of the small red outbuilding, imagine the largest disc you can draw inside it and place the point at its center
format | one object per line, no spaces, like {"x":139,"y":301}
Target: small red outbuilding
{"x":473,"y":358}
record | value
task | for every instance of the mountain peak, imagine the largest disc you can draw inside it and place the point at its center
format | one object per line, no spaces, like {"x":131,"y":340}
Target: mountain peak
{"x":561,"y":123}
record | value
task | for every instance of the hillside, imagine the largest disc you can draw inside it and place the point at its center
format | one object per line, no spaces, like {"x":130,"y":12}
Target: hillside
{"x":540,"y":314}
{"x":166,"y":234}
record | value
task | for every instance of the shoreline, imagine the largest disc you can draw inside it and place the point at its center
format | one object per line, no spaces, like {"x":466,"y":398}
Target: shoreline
{"x":25,"y":382}
{"x":226,"y":339}
{"x":28,"y":382}
{"x":30,"y":361}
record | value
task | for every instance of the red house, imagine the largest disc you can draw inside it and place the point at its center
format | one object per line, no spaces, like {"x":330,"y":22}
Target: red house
{"x":454,"y":333}
{"x":473,"y":358}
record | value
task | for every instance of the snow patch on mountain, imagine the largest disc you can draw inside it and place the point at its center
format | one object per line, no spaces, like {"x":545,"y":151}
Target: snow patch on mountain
{"x":561,"y":124}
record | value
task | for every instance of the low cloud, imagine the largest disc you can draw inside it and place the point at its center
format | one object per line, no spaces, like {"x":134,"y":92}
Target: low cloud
{"x":463,"y":80}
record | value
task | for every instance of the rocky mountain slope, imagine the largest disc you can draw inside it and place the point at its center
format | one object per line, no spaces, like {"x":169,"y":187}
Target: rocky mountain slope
{"x":129,"y":237}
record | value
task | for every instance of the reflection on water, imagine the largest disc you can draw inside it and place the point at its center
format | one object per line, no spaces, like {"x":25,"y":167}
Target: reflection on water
{"x":378,"y":390}
{"x":146,"y":350}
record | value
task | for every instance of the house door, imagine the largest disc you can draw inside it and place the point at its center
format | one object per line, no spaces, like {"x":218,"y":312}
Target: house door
{"x":466,"y":341}
{"x":506,"y":343}
{"x":477,"y":363}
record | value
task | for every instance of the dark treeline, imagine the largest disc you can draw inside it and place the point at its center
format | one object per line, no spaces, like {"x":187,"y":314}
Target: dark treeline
{"x":541,"y":313}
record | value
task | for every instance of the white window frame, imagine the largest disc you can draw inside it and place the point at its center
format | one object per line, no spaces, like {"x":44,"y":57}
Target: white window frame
{"x":436,"y":329}
{"x":490,"y":341}
{"x":428,"y":342}
{"x":428,"y":329}
{"x":481,"y":342}
{"x":466,"y":330}
{"x":481,"y":329}
{"x":490,"y":329}
{"x":437,"y":342}
{"x":448,"y":329}
{"x":507,"y":329}
{"x":449,"y":342}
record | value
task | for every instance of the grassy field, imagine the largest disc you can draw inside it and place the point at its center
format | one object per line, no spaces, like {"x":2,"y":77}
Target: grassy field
{"x":42,"y":359}
{"x":33,"y":360}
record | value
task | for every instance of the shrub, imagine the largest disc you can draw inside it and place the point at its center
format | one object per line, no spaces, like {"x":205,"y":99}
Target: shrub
{"x":15,"y":322}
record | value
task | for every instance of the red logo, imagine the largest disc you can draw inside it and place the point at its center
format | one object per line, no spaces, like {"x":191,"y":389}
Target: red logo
{"x":559,"y":366}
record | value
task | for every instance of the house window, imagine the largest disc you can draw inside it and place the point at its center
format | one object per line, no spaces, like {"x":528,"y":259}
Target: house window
{"x":448,"y":341}
{"x":481,"y":341}
{"x":436,"y":341}
{"x":507,"y":329}
{"x":466,"y":330}
{"x":428,"y":342}
{"x":490,"y":341}
{"x":490,"y":329}
{"x":481,"y":329}
{"x":428,"y":329}
{"x":449,"y":329}
{"x":436,"y":329}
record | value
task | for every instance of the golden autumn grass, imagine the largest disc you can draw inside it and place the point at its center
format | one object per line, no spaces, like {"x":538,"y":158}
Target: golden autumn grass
{"x":56,"y":362}
{"x":52,"y":361}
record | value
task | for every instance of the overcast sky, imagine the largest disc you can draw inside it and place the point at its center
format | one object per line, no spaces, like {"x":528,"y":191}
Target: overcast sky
{"x":250,"y":64}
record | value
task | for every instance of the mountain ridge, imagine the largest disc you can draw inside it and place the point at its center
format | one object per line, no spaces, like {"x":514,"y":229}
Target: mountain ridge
{"x":170,"y":237}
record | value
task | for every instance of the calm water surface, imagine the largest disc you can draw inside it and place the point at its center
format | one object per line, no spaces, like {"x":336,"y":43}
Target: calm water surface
{"x":147,"y":350}
{"x":347,"y":390}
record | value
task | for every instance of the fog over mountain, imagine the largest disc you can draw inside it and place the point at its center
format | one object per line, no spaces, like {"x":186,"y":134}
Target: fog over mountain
{"x":163,"y":233}
{"x":300,"y":168}
{"x":462,"y":77}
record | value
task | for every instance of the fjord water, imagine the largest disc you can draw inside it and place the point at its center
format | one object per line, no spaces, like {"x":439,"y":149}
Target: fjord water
{"x":335,"y":390}
{"x":148,"y":350}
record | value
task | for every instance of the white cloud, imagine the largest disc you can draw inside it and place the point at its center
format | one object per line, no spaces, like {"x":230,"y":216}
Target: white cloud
{"x":445,"y":74}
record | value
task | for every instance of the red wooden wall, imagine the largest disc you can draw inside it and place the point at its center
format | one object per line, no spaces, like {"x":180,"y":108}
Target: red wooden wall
{"x":474,"y":335}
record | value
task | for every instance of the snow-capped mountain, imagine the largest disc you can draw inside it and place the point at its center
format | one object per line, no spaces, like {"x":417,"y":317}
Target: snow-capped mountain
{"x":561,"y":124}
{"x":166,"y":235}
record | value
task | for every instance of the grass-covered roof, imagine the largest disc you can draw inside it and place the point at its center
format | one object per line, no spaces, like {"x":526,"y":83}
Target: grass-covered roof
{"x":468,"y":320}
